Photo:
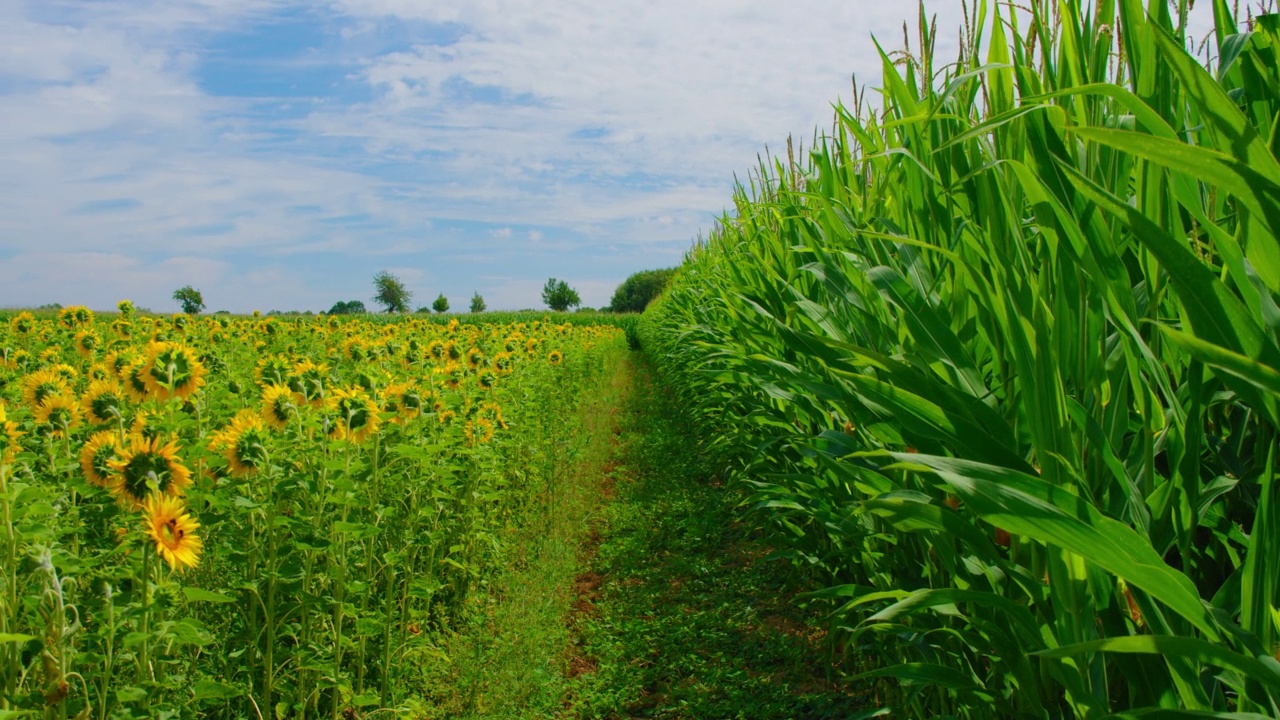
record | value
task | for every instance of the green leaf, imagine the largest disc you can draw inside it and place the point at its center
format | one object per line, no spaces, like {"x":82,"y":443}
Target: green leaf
{"x":6,"y":638}
{"x":200,"y":595}
{"x":206,"y":689}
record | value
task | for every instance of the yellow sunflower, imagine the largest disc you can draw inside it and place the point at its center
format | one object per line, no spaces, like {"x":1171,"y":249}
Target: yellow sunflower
{"x":404,"y":400}
{"x":40,"y":385}
{"x":23,"y":323}
{"x":103,"y":402}
{"x":243,"y":443}
{"x":9,"y":435}
{"x":308,"y":382}
{"x":274,"y":370}
{"x":555,"y":357}
{"x":172,"y":528}
{"x":86,"y":343}
{"x":172,"y":370}
{"x":355,"y":415}
{"x":504,"y":363}
{"x":147,"y":461}
{"x":60,"y":413}
{"x":96,"y":457}
{"x":278,"y":407}
{"x":487,"y":380}
{"x":478,"y":431}
{"x":126,"y":308}
{"x":134,"y":379}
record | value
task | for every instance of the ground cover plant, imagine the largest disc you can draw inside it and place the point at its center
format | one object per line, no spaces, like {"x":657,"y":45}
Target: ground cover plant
{"x":1000,"y":358}
{"x":255,"y":517}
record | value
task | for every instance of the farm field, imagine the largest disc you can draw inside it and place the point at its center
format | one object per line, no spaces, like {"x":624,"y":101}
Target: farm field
{"x":968,"y":408}
{"x":250,"y":517}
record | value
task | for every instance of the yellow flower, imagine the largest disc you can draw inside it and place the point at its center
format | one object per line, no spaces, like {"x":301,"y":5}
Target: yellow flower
{"x":274,"y":370}
{"x":23,"y":323}
{"x":356,"y":417}
{"x":96,"y":457}
{"x":9,"y":435}
{"x":278,"y":406}
{"x":86,"y":343}
{"x":173,"y":530}
{"x":243,"y":443}
{"x":478,"y":431}
{"x":75,"y":316}
{"x":172,"y":370}
{"x":103,"y":402}
{"x":144,"y":462}
{"x":308,"y":382}
{"x":60,"y":413}
{"x":404,"y":400}
{"x":555,"y":357}
{"x":40,"y":385}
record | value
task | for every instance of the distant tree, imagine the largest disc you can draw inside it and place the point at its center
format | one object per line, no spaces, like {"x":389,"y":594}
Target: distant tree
{"x":390,"y":293}
{"x":441,"y":304}
{"x":477,"y":303}
{"x":190,"y":299}
{"x":636,"y":292}
{"x":352,"y":307}
{"x":558,"y":296}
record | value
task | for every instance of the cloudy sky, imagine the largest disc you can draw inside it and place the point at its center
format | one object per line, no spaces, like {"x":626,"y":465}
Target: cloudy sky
{"x":277,"y":154}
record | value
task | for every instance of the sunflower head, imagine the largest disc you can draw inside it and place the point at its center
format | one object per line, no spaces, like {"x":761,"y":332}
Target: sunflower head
{"x":487,"y":380}
{"x":172,"y":528}
{"x":435,"y":349}
{"x":278,"y":406}
{"x":172,"y":370}
{"x":504,"y":363}
{"x":40,"y":385}
{"x":126,"y":308}
{"x":274,"y":370}
{"x":58,"y":414}
{"x":103,"y":402}
{"x":96,"y":457}
{"x":308,"y":382}
{"x":9,"y":435}
{"x":355,"y":415}
{"x":23,"y":323}
{"x":555,"y":357}
{"x":243,"y":443}
{"x":86,"y":343}
{"x":478,"y":431}
{"x":145,"y":466}
{"x":405,"y":401}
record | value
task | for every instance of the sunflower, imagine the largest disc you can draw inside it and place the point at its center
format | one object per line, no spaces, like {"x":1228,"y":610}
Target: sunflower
{"x":356,"y":417}
{"x":172,"y":370}
{"x":9,"y":435}
{"x":308,"y":382}
{"x":435,"y":349}
{"x":452,"y":351}
{"x":453,"y":375}
{"x":144,"y":462}
{"x":446,"y":417}
{"x":173,"y":530}
{"x":96,"y":457}
{"x":273,"y":371}
{"x":493,"y":411}
{"x":126,"y":308}
{"x":103,"y":402}
{"x":243,"y":443}
{"x":23,"y":323}
{"x":60,"y":413}
{"x":122,"y":328}
{"x":86,"y":343}
{"x":278,"y":406}
{"x":478,"y":431}
{"x":142,"y":426}
{"x":504,"y":363}
{"x":555,"y":357}
{"x":404,"y":400}
{"x":487,"y":380}
{"x":75,"y":316}
{"x":474,"y":357}
{"x":134,"y":379}
{"x":40,"y":385}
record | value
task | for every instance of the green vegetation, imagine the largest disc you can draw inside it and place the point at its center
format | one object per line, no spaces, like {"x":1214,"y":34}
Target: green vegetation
{"x":558,"y":296}
{"x":477,"y":303}
{"x":999,"y":362}
{"x":636,"y":292}
{"x":441,"y":304}
{"x":189,"y":298}
{"x":390,"y":293}
{"x":352,"y":307}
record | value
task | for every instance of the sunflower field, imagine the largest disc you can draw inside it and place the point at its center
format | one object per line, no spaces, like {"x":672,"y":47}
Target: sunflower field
{"x":998,"y":360}
{"x":262,"y":518}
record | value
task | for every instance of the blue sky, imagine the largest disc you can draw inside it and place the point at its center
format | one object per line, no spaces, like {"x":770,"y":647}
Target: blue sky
{"x":277,"y":154}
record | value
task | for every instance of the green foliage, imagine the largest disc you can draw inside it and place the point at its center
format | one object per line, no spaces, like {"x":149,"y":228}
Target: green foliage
{"x":636,"y":292}
{"x":441,"y":304}
{"x":190,"y":299}
{"x":351,"y":307}
{"x":999,"y":360}
{"x":558,"y":296}
{"x":390,"y":293}
{"x":477,"y":303}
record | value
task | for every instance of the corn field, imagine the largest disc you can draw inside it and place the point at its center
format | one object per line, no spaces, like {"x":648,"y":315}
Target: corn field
{"x":263,"y":518}
{"x":999,"y":360}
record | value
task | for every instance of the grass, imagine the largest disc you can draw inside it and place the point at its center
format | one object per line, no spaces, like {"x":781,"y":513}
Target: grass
{"x":681,"y":614}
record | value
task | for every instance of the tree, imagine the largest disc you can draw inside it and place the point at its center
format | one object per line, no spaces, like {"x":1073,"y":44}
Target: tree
{"x":441,"y":304}
{"x":477,"y":303}
{"x":636,"y":292}
{"x":353,"y":307}
{"x":190,"y":299}
{"x":558,"y":296}
{"x":391,"y":293}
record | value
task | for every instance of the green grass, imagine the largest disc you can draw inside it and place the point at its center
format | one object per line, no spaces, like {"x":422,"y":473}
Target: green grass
{"x":681,"y":613}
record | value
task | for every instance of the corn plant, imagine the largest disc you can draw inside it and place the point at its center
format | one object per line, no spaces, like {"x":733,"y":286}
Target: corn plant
{"x":1002,"y":364}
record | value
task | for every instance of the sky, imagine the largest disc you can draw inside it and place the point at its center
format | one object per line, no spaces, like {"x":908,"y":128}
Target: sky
{"x":276,"y":154}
